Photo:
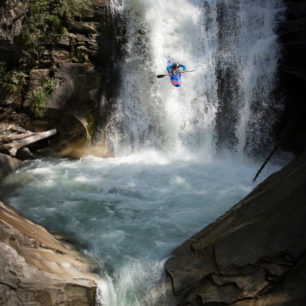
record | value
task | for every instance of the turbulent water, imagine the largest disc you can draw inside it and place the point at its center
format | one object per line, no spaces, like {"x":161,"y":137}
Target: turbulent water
{"x":182,"y":154}
{"x":226,"y":104}
{"x":130,"y":212}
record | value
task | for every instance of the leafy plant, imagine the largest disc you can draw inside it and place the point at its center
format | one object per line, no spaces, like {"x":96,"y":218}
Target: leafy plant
{"x":39,"y":103}
{"x":40,"y":97}
{"x":12,"y":80}
{"x":45,"y":22}
{"x":69,"y":8}
{"x":48,"y":86}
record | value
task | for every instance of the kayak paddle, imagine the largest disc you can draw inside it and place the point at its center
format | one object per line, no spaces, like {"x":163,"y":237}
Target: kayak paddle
{"x":163,"y":75}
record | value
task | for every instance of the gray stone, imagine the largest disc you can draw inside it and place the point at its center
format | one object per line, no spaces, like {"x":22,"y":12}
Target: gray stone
{"x":253,"y":246}
{"x":8,"y":164}
{"x":37,"y":269}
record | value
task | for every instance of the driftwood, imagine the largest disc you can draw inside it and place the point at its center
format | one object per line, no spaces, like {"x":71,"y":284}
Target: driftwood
{"x":266,"y":161}
{"x":287,"y":135}
{"x":15,"y":145}
{"x":12,"y":137}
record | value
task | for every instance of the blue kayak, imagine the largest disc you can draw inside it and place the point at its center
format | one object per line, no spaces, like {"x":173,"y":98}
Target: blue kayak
{"x":176,"y":80}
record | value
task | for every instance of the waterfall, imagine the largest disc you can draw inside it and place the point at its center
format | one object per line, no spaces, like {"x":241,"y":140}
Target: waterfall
{"x":226,"y":104}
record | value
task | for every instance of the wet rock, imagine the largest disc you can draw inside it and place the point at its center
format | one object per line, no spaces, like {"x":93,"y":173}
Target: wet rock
{"x":24,"y":154}
{"x":8,"y":164}
{"x":253,"y":248}
{"x":37,"y":269}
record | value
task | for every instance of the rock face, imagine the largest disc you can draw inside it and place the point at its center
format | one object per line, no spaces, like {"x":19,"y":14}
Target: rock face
{"x":80,"y":66}
{"x":37,"y":269}
{"x":253,"y":255}
{"x":74,"y":106}
{"x":12,"y":13}
{"x":292,"y":75}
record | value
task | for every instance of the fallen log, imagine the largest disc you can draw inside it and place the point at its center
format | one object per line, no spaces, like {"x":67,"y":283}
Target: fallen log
{"x":14,"y":146}
{"x":13,"y":137}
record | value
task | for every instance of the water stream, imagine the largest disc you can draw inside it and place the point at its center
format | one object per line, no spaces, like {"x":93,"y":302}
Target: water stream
{"x":183,"y":155}
{"x":129,"y":213}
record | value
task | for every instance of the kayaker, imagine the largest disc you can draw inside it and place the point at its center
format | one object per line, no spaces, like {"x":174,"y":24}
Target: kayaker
{"x":174,"y":71}
{"x":174,"y":68}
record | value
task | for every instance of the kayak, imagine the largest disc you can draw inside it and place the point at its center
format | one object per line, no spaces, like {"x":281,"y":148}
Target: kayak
{"x":176,"y":80}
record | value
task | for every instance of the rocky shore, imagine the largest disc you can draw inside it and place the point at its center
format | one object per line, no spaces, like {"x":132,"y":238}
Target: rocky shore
{"x":38,"y":269}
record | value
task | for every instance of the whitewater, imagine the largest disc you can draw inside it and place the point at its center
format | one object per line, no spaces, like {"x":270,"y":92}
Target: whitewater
{"x":183,"y":156}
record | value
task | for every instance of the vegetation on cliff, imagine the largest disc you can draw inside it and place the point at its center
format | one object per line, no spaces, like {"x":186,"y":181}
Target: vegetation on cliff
{"x":43,"y":25}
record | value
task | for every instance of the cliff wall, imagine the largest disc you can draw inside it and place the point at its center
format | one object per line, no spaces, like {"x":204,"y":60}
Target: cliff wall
{"x":292,"y":76}
{"x":67,"y":82}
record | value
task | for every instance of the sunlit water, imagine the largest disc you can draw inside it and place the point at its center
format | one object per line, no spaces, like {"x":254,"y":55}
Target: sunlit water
{"x":129,"y":213}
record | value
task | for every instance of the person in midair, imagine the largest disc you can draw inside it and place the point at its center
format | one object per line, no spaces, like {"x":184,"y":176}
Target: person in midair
{"x":174,"y":68}
{"x":174,"y":71}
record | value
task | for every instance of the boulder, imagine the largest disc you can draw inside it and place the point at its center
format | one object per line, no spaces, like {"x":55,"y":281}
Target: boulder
{"x":8,"y":164}
{"x":252,"y":255}
{"x":38,"y":269}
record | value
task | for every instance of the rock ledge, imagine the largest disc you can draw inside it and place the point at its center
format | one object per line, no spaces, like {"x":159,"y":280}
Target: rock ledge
{"x":38,"y":269}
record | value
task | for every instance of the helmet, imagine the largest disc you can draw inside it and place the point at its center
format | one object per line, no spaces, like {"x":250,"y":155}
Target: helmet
{"x":175,"y":65}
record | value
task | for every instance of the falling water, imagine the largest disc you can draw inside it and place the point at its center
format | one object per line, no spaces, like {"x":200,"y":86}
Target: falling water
{"x":227,"y":103}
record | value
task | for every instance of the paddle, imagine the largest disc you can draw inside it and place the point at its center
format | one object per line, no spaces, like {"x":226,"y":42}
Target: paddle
{"x":163,"y":75}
